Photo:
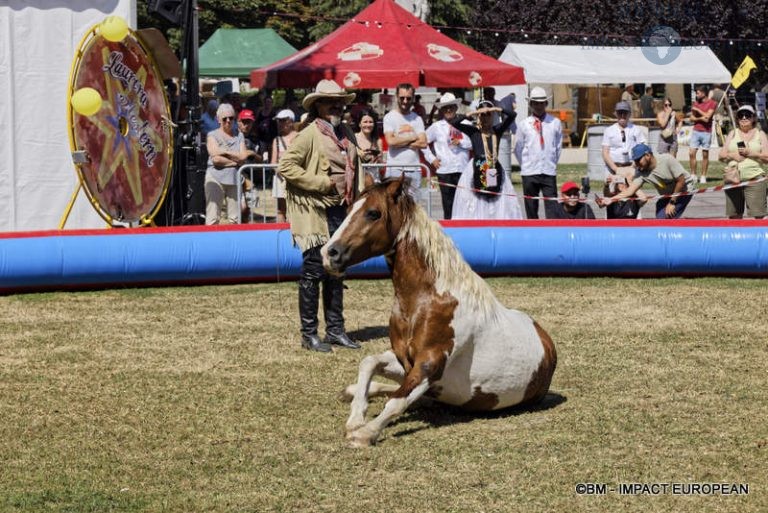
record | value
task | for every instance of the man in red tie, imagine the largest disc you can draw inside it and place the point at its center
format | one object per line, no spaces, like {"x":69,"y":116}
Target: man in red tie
{"x":537,"y":149}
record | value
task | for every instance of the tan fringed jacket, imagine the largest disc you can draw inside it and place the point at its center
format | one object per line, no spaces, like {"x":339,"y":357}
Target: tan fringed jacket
{"x":309,"y":189}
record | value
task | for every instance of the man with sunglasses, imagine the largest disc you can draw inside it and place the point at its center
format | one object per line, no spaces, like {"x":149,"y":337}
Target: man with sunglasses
{"x":406,"y":137}
{"x":666,"y":175}
{"x":618,"y":141}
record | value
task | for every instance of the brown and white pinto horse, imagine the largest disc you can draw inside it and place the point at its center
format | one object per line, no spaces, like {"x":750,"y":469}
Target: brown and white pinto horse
{"x":451,"y":338}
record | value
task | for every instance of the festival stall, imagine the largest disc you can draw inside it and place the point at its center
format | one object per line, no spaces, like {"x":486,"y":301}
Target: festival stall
{"x":38,"y":39}
{"x":384,"y":45}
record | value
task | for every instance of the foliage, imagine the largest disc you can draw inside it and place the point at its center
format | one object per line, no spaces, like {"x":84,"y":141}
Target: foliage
{"x":615,"y":24}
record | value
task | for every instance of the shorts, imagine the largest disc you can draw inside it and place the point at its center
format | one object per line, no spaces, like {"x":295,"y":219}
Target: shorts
{"x":700,"y":140}
{"x":751,"y":198}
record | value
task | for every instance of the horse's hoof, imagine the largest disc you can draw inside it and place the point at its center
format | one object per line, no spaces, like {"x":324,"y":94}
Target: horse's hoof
{"x":345,"y":396}
{"x":360,"y":438}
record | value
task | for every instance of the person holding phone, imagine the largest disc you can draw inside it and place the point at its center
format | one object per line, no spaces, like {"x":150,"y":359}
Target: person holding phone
{"x":746,"y":148}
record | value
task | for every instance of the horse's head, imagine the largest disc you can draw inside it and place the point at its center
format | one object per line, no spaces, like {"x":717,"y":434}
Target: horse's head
{"x":371,"y":226}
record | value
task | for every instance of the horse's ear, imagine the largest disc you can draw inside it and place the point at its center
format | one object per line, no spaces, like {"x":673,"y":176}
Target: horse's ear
{"x":396,"y":188}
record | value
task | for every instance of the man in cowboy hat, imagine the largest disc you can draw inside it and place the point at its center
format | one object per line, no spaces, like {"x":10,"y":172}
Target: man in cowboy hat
{"x":537,"y":149}
{"x":323,"y":176}
{"x":448,"y":150}
{"x":406,"y":137}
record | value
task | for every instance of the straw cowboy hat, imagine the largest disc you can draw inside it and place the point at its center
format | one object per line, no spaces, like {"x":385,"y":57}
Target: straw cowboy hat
{"x":538,"y":94}
{"x":483,"y":107}
{"x":447,"y":100}
{"x":327,"y":89}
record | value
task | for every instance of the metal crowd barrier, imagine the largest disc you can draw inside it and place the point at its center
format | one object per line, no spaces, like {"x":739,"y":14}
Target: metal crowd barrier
{"x":256,"y":197}
{"x":252,"y":197}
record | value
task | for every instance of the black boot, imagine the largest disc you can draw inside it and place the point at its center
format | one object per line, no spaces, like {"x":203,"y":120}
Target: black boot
{"x":333,"y":306}
{"x":309,"y":299}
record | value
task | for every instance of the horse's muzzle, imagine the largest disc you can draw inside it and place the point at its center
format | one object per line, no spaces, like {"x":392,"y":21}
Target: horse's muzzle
{"x":333,"y":258}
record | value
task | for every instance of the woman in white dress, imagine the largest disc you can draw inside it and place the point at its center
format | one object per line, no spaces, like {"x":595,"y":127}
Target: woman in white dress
{"x":484,"y":190}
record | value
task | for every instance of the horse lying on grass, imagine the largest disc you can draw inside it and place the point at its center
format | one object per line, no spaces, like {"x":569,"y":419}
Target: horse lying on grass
{"x":451,"y":338}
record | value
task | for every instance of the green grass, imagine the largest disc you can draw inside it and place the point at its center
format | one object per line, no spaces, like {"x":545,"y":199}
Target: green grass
{"x":201,"y":399}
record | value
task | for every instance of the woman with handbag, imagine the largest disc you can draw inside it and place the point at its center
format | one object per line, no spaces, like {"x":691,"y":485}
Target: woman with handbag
{"x":667,"y":120}
{"x":746,"y":148}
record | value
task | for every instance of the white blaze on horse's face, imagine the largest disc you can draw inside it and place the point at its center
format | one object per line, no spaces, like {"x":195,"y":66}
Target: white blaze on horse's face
{"x":369,"y":230}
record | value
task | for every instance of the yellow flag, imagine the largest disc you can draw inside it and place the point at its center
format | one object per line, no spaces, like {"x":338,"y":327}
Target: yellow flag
{"x":742,"y":74}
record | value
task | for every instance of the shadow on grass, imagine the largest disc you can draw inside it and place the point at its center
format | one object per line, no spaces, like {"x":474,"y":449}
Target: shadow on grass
{"x":369,"y":333}
{"x":435,"y":414}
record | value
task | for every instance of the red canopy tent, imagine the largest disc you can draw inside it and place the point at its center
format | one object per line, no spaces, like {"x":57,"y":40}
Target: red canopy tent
{"x":382,"y":46}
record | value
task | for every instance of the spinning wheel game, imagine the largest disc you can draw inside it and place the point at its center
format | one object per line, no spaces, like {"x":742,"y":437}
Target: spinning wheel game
{"x":119,"y":125}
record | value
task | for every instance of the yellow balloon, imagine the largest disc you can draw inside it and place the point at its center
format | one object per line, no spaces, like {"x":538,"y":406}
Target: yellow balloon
{"x":86,"y":101}
{"x":113,"y":28}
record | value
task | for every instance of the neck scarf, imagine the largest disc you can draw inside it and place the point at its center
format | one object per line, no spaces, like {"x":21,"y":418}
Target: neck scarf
{"x":349,"y":171}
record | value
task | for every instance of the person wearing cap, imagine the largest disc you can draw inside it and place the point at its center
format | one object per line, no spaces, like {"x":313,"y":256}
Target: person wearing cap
{"x":628,"y":209}
{"x":245,"y":124}
{"x":286,"y":133}
{"x":484,"y":190}
{"x":746,"y":147}
{"x":666,"y":174}
{"x":323,"y":176}
{"x":570,"y":205}
{"x":702,"y":114}
{"x":447,"y":151}
{"x":226,"y":153}
{"x":537,"y":150}
{"x":618,"y":141}
{"x":406,"y":137}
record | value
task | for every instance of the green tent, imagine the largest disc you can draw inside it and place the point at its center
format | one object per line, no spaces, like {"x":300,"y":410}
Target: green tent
{"x":237,"y":52}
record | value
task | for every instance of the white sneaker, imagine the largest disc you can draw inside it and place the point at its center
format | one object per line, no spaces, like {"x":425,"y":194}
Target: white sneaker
{"x":703,"y":179}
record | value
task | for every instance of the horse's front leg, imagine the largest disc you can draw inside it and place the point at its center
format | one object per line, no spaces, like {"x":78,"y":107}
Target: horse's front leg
{"x":414,"y":386}
{"x":385,"y":364}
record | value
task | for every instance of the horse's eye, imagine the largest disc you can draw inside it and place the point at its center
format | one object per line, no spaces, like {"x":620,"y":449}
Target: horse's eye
{"x":373,"y":215}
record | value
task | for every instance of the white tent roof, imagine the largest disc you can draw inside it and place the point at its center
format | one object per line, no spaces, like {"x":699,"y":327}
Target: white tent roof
{"x":555,"y":64}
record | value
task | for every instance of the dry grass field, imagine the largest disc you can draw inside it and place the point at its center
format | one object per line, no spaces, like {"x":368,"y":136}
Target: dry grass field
{"x":201,"y":399}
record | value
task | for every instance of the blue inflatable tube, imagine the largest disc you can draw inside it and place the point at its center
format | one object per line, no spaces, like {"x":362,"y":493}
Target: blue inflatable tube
{"x":260,"y":253}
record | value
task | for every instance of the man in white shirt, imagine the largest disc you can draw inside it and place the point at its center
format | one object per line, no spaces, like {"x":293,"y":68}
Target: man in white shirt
{"x":618,"y":141}
{"x":447,"y":151}
{"x":406,"y":137}
{"x":537,"y":149}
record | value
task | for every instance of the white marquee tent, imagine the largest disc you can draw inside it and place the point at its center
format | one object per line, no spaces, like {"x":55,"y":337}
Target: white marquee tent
{"x":38,"y":39}
{"x":585,"y":65}
{"x":553,"y":64}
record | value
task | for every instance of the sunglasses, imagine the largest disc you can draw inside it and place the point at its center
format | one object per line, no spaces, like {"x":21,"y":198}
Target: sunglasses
{"x":405,"y":98}
{"x":623,"y":136}
{"x":246,"y":121}
{"x":667,"y":104}
{"x":621,"y":113}
{"x":744,"y":115}
{"x":228,"y":118}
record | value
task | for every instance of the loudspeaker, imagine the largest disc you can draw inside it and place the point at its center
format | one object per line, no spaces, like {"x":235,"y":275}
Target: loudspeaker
{"x":171,"y":10}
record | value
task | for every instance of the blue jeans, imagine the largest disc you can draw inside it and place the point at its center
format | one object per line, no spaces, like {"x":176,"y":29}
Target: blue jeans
{"x":680,"y":204}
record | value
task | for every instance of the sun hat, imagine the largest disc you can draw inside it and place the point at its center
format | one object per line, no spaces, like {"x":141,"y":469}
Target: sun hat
{"x":447,"y":100}
{"x":569,"y":186}
{"x":286,"y":114}
{"x":484,"y":107}
{"x":639,"y":150}
{"x":538,"y":94}
{"x":327,"y":89}
{"x":246,"y":114}
{"x":748,"y":108}
{"x":623,"y":106}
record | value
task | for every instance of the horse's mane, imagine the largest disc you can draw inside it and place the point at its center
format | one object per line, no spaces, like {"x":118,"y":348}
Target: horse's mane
{"x":452,"y":272}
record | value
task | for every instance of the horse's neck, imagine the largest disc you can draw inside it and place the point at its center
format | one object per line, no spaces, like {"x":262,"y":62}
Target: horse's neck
{"x":425,"y":258}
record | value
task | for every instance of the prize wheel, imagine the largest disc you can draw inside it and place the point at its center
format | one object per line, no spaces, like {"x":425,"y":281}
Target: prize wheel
{"x":123,"y":150}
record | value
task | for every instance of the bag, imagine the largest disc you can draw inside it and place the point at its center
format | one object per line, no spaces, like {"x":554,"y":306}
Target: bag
{"x":667,"y":133}
{"x":731,"y":174}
